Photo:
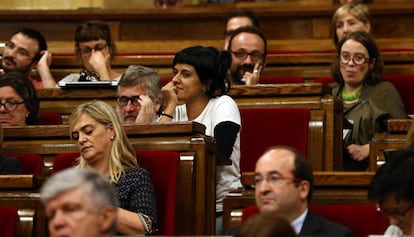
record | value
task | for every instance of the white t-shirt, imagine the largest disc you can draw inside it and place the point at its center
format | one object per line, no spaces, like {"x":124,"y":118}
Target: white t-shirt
{"x":219,"y":109}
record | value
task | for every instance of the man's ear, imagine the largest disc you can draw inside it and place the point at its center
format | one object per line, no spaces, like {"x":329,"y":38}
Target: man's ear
{"x":108,"y":216}
{"x":304,"y":188}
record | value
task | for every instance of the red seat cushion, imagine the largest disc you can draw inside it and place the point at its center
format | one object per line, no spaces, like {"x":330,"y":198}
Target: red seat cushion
{"x":266,"y":127}
{"x":404,"y":84}
{"x":8,"y":220}
{"x":63,"y":161}
{"x":362,"y":219}
{"x":279,"y":80}
{"x":163,"y":166}
{"x":49,"y":118}
{"x":30,"y":163}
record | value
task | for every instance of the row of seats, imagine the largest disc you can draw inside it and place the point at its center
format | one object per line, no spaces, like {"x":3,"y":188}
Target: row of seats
{"x":403,"y":83}
{"x":162,"y":165}
{"x":362,"y":219}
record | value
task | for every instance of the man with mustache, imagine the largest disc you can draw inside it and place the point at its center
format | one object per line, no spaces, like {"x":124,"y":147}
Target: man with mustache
{"x":284,"y":184}
{"x":248,"y":48}
{"x":27,"y":50}
{"x":139,"y":95}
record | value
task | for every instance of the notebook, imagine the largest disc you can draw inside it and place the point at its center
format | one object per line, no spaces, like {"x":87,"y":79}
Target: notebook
{"x":77,"y":84}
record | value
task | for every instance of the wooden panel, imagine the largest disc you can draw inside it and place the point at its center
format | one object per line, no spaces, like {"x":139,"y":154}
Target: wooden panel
{"x":324,"y":143}
{"x":298,"y":19}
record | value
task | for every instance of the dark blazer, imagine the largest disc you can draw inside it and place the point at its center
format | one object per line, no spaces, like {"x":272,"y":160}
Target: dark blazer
{"x":9,"y":165}
{"x":315,"y":225}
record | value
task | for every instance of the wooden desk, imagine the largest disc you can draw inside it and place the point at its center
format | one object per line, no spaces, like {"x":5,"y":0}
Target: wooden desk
{"x":21,"y":191}
{"x":325,"y":127}
{"x":330,"y":188}
{"x":395,"y":138}
{"x":197,"y":168}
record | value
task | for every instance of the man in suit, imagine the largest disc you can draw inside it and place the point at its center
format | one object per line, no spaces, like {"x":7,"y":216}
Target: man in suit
{"x":284,"y":184}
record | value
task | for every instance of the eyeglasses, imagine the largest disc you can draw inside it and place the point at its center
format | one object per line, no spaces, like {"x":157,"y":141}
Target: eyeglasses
{"x":400,"y":215}
{"x":86,"y":51}
{"x":274,"y":180}
{"x":10,"y":105}
{"x":242,"y":54}
{"x":123,"y":100}
{"x":358,"y":59}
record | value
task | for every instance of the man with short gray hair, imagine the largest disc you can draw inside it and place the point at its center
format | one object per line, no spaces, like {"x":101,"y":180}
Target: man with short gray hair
{"x":139,"y":95}
{"x":80,"y":203}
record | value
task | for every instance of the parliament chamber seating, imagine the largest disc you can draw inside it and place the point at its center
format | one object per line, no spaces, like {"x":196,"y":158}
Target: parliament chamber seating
{"x":280,"y":80}
{"x":404,"y":85}
{"x":30,"y":163}
{"x":163,"y":167}
{"x":49,"y":118}
{"x":362,"y":219}
{"x":8,"y":220}
{"x":266,"y":127}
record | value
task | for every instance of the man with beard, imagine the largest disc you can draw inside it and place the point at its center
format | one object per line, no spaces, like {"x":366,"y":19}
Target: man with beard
{"x":139,"y":95}
{"x":248,"y":47}
{"x":27,"y":50}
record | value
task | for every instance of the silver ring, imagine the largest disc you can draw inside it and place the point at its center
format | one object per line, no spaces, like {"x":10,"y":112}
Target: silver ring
{"x":255,"y":71}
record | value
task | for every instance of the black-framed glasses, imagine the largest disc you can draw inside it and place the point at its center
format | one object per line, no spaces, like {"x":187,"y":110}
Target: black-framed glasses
{"x":87,"y":50}
{"x":398,"y":214}
{"x":242,"y":54}
{"x":274,"y":179}
{"x":123,"y":100}
{"x":357,"y":59}
{"x":10,"y":105}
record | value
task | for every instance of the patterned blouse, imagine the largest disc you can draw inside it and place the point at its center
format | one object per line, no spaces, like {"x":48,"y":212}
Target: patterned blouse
{"x":136,"y":193}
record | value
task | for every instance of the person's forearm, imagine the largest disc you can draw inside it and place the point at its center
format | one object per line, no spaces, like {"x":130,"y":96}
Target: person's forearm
{"x":129,"y":223}
{"x":47,"y":79}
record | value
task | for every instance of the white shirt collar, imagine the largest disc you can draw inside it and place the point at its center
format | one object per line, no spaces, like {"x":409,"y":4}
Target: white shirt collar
{"x":298,"y":222}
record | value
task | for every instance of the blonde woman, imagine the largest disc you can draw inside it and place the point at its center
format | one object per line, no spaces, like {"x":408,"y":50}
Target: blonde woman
{"x":104,"y":146}
{"x":349,"y":18}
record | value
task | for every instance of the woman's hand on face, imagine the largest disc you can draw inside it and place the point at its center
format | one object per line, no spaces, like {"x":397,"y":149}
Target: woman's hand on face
{"x":98,"y":60}
{"x":358,"y":152}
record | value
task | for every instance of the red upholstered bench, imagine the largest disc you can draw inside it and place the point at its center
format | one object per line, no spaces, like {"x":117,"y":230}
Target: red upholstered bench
{"x":266,"y":127}
{"x":362,"y":219}
{"x":279,"y":80}
{"x":8,"y":220}
{"x":163,"y":167}
{"x":30,"y":163}
{"x":405,"y":86}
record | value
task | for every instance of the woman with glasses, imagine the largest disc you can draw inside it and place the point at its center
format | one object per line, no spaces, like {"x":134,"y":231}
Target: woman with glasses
{"x":19,"y":104}
{"x":368,"y":102}
{"x":95,"y":49}
{"x":200,"y":83}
